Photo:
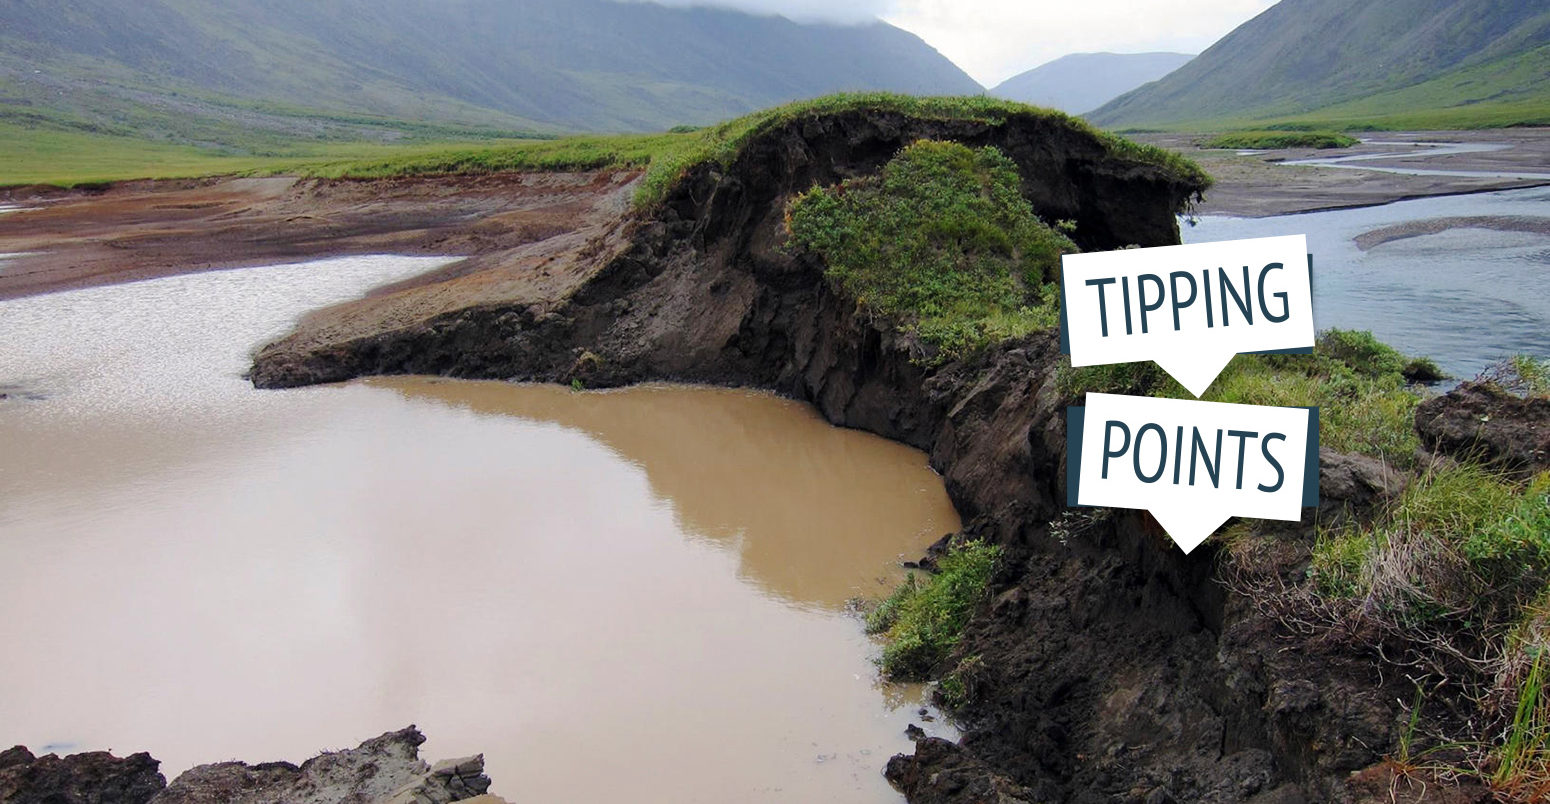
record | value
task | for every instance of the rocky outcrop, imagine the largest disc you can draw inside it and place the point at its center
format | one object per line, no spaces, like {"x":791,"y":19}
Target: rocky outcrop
{"x":940,"y":772}
{"x":1107,"y":666}
{"x":1481,"y":422}
{"x":1352,"y":486}
{"x":92,"y":778}
{"x":382,"y":770}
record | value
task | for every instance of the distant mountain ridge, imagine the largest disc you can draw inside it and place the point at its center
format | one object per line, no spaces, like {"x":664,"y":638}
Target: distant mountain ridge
{"x":592,"y":65}
{"x":1355,"y":58}
{"x":1081,"y":82}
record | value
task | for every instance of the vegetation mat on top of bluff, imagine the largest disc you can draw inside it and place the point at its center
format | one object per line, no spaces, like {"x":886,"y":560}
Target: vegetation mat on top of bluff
{"x":668,"y":157}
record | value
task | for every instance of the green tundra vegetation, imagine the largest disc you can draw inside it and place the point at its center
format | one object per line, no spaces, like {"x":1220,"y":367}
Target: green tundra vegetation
{"x":665,"y":157}
{"x":1333,"y":64}
{"x":1280,"y":139}
{"x":942,"y":241}
{"x":67,"y":157}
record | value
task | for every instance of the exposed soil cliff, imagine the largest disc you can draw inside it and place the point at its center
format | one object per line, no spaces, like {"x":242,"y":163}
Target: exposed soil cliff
{"x":1110,"y":666}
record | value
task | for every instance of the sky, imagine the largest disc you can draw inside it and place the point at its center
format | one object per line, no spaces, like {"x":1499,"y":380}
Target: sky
{"x":993,"y":40}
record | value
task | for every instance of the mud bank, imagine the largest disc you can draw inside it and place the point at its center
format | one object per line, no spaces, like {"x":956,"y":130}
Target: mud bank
{"x":66,"y":239}
{"x":1107,"y":666}
{"x":382,"y":770}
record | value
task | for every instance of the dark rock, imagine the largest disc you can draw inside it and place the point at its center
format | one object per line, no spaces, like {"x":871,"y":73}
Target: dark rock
{"x":932,"y":554}
{"x":1354,"y":485}
{"x":383,"y":770}
{"x":1481,"y":422}
{"x":91,"y":778}
{"x":940,"y":772}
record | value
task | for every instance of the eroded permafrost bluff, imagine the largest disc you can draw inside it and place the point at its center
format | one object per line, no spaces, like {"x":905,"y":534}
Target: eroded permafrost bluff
{"x":1102,"y":663}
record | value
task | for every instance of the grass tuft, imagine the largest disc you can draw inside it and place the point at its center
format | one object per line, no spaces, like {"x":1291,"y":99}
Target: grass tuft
{"x":1462,"y":548}
{"x":922,"y":621}
{"x":1523,"y":375}
{"x":1522,"y":761}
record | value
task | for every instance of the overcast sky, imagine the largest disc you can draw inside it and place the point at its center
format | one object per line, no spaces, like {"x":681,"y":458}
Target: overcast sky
{"x":992,"y":40}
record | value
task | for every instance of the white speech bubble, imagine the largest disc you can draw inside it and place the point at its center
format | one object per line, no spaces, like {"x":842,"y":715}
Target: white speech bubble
{"x":1189,"y":308}
{"x":1192,"y":464}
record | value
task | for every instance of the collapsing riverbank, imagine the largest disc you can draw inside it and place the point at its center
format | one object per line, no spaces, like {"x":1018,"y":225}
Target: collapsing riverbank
{"x":1106,"y":665}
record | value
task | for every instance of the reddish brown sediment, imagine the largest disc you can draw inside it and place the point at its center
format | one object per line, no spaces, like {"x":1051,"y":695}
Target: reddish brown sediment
{"x":143,"y":230}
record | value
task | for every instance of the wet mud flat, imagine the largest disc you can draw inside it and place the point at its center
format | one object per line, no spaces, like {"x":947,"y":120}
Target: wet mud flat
{"x":54,"y":239}
{"x":1259,"y":183}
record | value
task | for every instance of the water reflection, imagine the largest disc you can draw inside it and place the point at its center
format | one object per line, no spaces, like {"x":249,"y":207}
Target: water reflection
{"x":765,"y":476}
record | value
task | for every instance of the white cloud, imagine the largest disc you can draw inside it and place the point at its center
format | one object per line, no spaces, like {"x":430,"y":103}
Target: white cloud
{"x":993,"y":40}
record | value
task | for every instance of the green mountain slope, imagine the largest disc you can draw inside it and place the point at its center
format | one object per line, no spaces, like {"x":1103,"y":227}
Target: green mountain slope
{"x":211,"y":70}
{"x":1081,"y":82}
{"x":1379,"y":61}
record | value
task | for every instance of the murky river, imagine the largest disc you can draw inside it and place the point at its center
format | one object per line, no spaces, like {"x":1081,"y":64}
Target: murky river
{"x":1464,"y":296}
{"x":630,"y":595}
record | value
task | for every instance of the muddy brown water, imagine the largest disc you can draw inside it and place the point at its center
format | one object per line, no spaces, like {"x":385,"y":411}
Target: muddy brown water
{"x":621,"y":595}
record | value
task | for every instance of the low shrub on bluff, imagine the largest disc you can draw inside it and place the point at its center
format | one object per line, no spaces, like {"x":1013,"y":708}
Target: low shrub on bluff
{"x":941,"y":240}
{"x":922,"y":621}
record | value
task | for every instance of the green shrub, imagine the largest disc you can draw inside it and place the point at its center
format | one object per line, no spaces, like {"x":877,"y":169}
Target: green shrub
{"x":942,"y":240}
{"x":887,"y":612}
{"x":1115,"y":378}
{"x":957,"y":687}
{"x":1338,"y":560}
{"x":922,"y":621}
{"x":1268,"y":140}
